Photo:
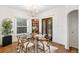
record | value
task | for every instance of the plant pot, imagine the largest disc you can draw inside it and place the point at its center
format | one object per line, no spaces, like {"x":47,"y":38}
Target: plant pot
{"x":6,"y":40}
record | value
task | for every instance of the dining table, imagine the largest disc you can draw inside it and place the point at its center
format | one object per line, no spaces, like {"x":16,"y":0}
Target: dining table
{"x":38,"y":37}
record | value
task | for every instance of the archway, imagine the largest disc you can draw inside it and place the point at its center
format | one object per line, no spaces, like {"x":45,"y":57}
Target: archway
{"x":73,"y":29}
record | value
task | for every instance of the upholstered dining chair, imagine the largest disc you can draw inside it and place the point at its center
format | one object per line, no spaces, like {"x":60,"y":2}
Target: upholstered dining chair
{"x":43,"y":43}
{"x":19,"y":45}
{"x":29,"y":44}
{"x":24,"y":44}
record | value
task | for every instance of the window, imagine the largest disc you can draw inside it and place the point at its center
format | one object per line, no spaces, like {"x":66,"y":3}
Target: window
{"x":21,"y":25}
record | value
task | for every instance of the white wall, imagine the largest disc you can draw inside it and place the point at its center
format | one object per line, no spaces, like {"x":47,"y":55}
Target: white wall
{"x":60,"y":24}
{"x":13,"y":13}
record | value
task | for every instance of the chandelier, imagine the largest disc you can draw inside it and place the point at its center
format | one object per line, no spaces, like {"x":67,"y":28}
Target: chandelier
{"x":33,"y":10}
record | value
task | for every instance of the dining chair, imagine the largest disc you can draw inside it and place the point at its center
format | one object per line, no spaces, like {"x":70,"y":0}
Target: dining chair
{"x":29,"y":44}
{"x":21,"y":42}
{"x":19,"y":45}
{"x":43,"y":43}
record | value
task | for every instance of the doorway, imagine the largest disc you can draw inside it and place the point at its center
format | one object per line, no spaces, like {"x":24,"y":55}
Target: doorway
{"x":47,"y":27}
{"x":73,"y":29}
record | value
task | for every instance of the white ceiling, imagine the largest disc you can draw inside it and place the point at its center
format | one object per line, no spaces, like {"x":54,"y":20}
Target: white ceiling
{"x":34,"y":9}
{"x":40,"y":8}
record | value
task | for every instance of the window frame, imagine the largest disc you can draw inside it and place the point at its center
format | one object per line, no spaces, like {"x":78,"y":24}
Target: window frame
{"x":21,"y":25}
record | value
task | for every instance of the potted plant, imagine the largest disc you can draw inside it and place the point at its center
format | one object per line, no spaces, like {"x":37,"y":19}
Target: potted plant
{"x":6,"y":31}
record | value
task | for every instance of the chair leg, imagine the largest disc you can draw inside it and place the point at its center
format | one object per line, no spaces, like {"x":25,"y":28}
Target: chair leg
{"x":49,"y":49}
{"x":44,"y":49}
{"x":26,"y":50}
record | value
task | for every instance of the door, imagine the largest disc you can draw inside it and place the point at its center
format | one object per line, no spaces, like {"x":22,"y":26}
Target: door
{"x":47,"y":27}
{"x":73,"y":29}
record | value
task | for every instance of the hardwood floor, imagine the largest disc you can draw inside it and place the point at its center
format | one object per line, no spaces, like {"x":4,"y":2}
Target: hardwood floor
{"x":12,"y":48}
{"x":61,"y":49}
{"x":8,"y":49}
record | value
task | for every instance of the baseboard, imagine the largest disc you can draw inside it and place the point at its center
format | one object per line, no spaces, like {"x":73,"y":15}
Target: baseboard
{"x":59,"y":43}
{"x":14,"y":42}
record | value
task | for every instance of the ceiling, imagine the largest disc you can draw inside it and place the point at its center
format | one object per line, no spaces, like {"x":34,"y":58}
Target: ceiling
{"x":34,"y":9}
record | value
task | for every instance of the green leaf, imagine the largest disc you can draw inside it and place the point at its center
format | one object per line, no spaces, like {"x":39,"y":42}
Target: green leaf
{"x":6,"y":26}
